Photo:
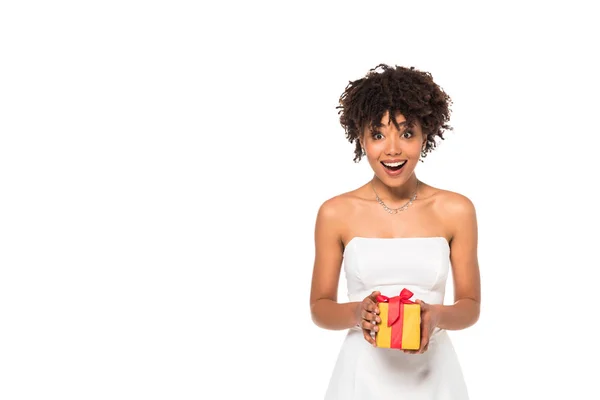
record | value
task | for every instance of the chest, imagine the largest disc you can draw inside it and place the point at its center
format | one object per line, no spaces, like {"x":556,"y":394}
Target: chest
{"x":417,"y":220}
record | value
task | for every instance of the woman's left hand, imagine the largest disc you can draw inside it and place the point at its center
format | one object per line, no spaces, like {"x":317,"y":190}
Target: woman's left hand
{"x":429,"y":320}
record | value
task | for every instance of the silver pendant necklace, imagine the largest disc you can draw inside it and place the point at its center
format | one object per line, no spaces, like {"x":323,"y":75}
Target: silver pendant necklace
{"x":396,"y":210}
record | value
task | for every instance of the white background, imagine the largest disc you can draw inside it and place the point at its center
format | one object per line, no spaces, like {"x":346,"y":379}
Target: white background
{"x":162,"y":163}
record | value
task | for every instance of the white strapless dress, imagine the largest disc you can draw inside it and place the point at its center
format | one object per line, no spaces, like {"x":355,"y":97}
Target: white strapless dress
{"x":364,"y":372}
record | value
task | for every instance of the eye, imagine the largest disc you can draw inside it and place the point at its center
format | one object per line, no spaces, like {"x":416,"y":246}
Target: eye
{"x":377,"y":134}
{"x":409,"y":133}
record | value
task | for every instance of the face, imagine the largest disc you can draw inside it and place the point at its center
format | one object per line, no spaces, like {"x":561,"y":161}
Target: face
{"x":389,"y":146}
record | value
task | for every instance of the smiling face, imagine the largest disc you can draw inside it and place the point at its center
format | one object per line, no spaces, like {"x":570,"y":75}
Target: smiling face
{"x":393,"y":153}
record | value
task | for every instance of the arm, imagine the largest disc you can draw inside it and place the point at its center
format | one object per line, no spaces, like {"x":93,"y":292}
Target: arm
{"x":326,"y":312}
{"x":465,"y":268}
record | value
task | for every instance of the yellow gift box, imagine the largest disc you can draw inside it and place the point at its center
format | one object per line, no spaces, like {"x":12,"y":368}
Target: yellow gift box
{"x":400,"y":326}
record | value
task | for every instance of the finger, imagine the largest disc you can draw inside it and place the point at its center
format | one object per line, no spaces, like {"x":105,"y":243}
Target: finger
{"x":424,"y":349}
{"x":367,"y":325}
{"x":370,"y":303}
{"x":424,"y":340}
{"x":370,"y":312}
{"x":373,"y":296}
{"x":370,"y":316}
{"x":375,"y":307}
{"x":370,"y":306}
{"x":424,"y":333}
{"x":368,"y":337}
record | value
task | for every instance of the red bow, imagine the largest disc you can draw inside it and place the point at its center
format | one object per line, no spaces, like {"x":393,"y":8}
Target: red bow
{"x":396,"y":313}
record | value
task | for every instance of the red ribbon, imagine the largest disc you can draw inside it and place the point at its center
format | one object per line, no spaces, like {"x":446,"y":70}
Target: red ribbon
{"x":396,"y":314}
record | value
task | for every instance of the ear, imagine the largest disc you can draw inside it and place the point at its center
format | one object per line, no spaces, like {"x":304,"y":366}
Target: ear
{"x":361,"y":140}
{"x":361,"y":137}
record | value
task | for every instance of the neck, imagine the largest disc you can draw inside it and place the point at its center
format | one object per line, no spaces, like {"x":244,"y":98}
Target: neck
{"x":395,"y":194}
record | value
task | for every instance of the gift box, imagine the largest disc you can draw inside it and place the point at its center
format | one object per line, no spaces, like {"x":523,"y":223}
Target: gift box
{"x":400,"y":326}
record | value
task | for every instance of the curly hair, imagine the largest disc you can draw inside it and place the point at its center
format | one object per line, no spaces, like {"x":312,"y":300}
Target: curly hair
{"x":411,"y":92}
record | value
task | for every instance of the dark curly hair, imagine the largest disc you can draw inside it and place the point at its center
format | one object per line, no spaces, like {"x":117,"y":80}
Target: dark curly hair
{"x":409,"y":91}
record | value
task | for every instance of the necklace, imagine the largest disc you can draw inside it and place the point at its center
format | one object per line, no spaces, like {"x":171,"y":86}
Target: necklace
{"x":396,"y":210}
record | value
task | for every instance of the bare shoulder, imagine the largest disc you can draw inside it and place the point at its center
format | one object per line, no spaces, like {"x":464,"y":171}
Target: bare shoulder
{"x":340,"y":205}
{"x":333,"y":208}
{"x":455,"y":210}
{"x":452,"y":204}
{"x":337,"y":212}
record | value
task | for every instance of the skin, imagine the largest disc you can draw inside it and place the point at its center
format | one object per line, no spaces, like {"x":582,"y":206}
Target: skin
{"x":435,"y":212}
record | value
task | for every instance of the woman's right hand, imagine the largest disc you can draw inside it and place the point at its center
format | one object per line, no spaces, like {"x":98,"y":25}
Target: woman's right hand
{"x":368,"y":316}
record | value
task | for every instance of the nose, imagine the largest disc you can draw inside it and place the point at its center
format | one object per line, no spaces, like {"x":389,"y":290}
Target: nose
{"x":393,"y":147}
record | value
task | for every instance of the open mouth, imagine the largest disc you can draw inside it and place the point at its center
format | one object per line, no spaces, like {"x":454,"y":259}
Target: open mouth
{"x":394,"y":166}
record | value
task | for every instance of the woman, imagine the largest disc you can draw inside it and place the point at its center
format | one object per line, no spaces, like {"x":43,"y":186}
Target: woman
{"x":392,"y":233}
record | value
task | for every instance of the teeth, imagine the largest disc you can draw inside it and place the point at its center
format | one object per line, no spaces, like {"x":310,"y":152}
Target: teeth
{"x":396,"y":164}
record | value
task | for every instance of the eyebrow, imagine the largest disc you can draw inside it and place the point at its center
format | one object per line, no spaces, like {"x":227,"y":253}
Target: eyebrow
{"x":376,"y":129}
{"x":379,"y":125}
